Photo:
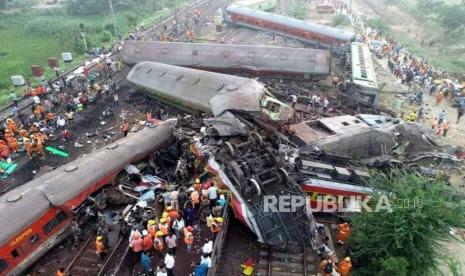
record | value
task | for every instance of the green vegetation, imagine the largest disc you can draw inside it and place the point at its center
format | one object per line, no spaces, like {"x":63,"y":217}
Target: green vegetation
{"x":379,"y":25}
{"x":407,"y":239}
{"x":341,"y":20}
{"x":300,"y":9}
{"x":31,"y":37}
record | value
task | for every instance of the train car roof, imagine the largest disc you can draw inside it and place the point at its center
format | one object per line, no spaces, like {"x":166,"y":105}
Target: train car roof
{"x":229,"y":56}
{"x":363,"y":72}
{"x":206,"y":91}
{"x":296,"y":23}
{"x":23,"y":205}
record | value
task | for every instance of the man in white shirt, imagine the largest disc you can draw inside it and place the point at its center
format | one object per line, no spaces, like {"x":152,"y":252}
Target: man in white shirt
{"x":169,"y":263}
{"x":294,"y":100}
{"x":212,"y":195}
{"x":205,"y":259}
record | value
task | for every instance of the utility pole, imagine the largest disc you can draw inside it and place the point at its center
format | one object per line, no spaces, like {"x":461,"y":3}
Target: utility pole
{"x":83,"y":34}
{"x":114,"y":19}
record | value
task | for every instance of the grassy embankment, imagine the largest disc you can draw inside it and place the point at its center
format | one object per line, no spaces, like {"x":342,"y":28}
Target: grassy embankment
{"x":32,"y":37}
{"x":448,"y":53}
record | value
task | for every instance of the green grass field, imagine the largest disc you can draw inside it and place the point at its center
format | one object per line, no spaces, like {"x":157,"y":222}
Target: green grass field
{"x":21,"y":46}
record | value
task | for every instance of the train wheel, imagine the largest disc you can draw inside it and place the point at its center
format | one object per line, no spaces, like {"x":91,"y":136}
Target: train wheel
{"x":254,"y":183}
{"x":258,"y":140}
{"x":284,"y":176}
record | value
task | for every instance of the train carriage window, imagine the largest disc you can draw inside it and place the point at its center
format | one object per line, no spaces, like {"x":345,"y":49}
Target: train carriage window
{"x":14,"y":253}
{"x":34,"y":238}
{"x":272,"y":107}
{"x":3,"y":265}
{"x":54,"y":222}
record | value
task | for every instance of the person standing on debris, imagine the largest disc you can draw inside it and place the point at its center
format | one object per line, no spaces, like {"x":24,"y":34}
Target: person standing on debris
{"x":189,"y":213}
{"x":61,"y":272}
{"x":171,"y":243}
{"x":212,"y":195}
{"x":178,"y":226}
{"x":439,"y":97}
{"x":325,"y":104}
{"x":412,"y":117}
{"x":163,"y":226}
{"x":222,"y":201}
{"x":147,"y":241}
{"x":205,"y":259}
{"x":14,"y":98}
{"x":145,"y":262}
{"x":207,"y":248}
{"x":326,"y":267}
{"x":158,"y":243}
{"x":195,"y":198}
{"x":169,"y":263}
{"x":151,"y":227}
{"x":344,"y":232}
{"x":100,"y":248}
{"x":344,"y":267}
{"x":125,"y":128}
{"x":116,"y":99}
{"x":445,"y":127}
{"x":459,"y":113}
{"x":161,"y":270}
{"x":137,"y":244}
{"x":174,"y":199}
{"x":442,"y":116}
{"x":294,"y":100}
{"x":188,"y":238}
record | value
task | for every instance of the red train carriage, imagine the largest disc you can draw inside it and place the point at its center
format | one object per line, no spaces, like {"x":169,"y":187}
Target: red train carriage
{"x":35,"y":216}
{"x":313,"y":33}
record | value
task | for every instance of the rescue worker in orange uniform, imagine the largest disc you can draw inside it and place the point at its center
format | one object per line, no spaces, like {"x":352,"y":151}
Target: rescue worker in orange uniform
{"x":344,"y":232}
{"x":8,"y":134}
{"x":4,"y":150}
{"x":23,"y":133}
{"x":158,"y":242}
{"x":344,"y":267}
{"x":61,"y":272}
{"x":188,"y":237}
{"x":11,"y":126}
{"x":100,"y":247}
{"x":163,"y":226}
{"x":13,"y":144}
{"x":151,"y":227}
{"x":147,"y":243}
{"x":38,"y":147}
{"x":28,"y":147}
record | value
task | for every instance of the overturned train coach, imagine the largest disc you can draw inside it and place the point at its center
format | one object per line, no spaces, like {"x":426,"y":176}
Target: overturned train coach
{"x":282,"y":62}
{"x":196,"y":90}
{"x":319,"y":35}
{"x":36,"y":216}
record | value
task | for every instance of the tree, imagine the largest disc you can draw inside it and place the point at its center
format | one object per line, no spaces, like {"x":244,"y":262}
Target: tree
{"x":430,"y":6}
{"x":453,"y":17}
{"x":378,"y":24}
{"x":406,"y":241}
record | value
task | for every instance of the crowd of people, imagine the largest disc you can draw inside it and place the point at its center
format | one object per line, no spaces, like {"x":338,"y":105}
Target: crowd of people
{"x":160,"y":239}
{"x":54,"y":108}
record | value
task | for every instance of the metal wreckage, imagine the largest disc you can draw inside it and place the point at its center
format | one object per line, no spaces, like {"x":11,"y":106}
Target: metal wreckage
{"x":246,"y":146}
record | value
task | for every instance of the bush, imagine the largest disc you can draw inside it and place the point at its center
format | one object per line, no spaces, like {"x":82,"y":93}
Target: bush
{"x":87,"y":7}
{"x":379,"y":25}
{"x":341,"y":20}
{"x":106,"y":36}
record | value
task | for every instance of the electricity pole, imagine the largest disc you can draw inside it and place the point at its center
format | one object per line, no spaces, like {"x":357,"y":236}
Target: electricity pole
{"x":83,"y":34}
{"x":114,"y":19}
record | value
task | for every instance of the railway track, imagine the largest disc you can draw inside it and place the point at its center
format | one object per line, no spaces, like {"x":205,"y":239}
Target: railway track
{"x":275,"y":262}
{"x":87,"y":262}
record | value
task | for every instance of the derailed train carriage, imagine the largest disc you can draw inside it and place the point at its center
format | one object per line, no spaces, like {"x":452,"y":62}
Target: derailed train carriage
{"x":196,"y":90}
{"x":319,"y":35}
{"x":36,"y":216}
{"x":281,"y":62}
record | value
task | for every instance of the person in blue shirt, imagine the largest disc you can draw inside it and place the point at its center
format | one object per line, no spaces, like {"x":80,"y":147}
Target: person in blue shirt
{"x":145,"y":261}
{"x":222,"y":201}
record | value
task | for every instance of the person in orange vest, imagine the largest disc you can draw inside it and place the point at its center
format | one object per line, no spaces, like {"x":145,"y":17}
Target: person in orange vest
{"x":28,"y":147}
{"x":61,"y":272}
{"x":216,"y":226}
{"x":445,"y":127}
{"x":8,"y":134}
{"x":147,"y":241}
{"x":344,"y":267}
{"x":23,"y":133}
{"x":11,"y":126}
{"x":13,"y":144}
{"x":39,"y":147}
{"x":158,"y":242}
{"x":439,"y":98}
{"x":152,"y":227}
{"x":163,"y":226}
{"x":188,"y":237}
{"x":172,"y":215}
{"x":344,"y":232}
{"x":100,"y":248}
{"x":125,"y":128}
{"x":4,"y":150}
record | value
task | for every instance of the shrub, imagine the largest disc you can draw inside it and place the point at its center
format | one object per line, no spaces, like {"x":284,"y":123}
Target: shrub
{"x":106,"y":36}
{"x":341,"y":20}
